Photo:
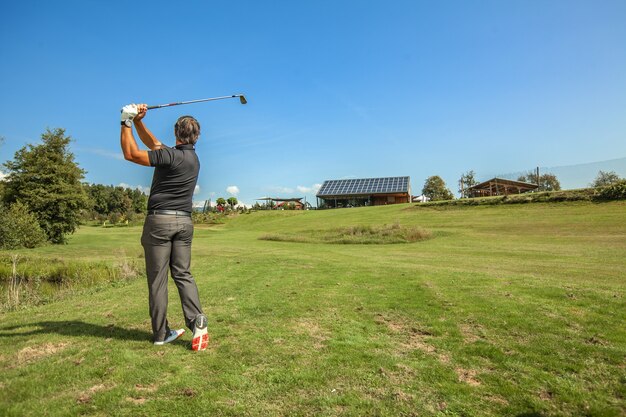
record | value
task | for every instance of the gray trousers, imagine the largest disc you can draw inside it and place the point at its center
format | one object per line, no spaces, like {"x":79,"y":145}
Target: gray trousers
{"x":166,"y":241}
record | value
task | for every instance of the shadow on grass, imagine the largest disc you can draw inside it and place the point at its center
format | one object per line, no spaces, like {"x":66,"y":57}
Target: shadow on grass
{"x":76,"y":328}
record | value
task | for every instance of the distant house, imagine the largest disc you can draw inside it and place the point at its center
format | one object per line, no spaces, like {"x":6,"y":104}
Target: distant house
{"x":420,"y":199}
{"x":364,"y":192}
{"x":282,"y":203}
{"x":500,"y":186}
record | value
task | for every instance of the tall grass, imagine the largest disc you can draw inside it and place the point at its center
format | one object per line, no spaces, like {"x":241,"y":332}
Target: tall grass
{"x":34,"y":280}
{"x":358,"y":234}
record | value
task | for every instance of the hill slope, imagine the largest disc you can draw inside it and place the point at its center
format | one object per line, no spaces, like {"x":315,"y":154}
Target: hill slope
{"x":506,"y":310}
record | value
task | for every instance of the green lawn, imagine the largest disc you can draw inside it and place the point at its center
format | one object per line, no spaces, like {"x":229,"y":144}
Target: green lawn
{"x":505,"y":310}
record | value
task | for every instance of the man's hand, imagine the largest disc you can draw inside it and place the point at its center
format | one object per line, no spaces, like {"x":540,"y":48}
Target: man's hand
{"x":142,"y":109}
{"x":129,"y":112}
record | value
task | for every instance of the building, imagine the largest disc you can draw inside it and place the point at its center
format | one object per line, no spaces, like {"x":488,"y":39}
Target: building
{"x":420,"y":199}
{"x":364,"y":192}
{"x":282,"y":203}
{"x":500,"y":186}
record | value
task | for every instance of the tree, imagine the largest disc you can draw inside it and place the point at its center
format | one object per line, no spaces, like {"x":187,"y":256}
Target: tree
{"x":435,"y":189}
{"x":547,"y":182}
{"x":605,"y":178}
{"x":232,"y":201}
{"x":19,"y":227}
{"x":467,"y":180}
{"x":1,"y":175}
{"x":106,"y":200}
{"x":46,"y":178}
{"x":220,"y":201}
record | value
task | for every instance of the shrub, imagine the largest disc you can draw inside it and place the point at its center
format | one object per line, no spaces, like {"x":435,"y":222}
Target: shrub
{"x":585,"y":194}
{"x":207,"y":218}
{"x":19,"y":228}
{"x":615,"y":191}
{"x":359,"y":234}
{"x":26,"y":280}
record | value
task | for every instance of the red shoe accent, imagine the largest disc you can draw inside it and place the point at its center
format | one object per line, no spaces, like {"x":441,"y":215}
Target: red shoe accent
{"x":200,"y":343}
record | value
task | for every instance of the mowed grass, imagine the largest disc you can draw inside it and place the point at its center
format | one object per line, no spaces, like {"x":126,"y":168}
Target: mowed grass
{"x":504,"y":310}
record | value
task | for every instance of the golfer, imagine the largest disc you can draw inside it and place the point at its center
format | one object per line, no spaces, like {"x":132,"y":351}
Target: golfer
{"x":168,"y":229}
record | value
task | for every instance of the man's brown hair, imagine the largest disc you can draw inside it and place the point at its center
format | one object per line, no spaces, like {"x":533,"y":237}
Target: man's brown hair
{"x":187,"y":130}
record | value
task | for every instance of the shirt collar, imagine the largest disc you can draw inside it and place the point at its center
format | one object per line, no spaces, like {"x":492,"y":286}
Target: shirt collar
{"x":185,"y":146}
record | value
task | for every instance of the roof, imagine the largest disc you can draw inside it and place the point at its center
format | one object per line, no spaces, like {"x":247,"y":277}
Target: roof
{"x":504,"y":181}
{"x":298,"y":199}
{"x":364,"y":186}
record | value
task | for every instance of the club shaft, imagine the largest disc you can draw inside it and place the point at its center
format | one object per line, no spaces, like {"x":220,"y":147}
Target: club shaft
{"x":193,"y":101}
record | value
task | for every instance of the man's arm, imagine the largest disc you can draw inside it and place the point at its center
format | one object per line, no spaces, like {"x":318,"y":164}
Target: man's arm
{"x":144,"y":134}
{"x":129,"y":147}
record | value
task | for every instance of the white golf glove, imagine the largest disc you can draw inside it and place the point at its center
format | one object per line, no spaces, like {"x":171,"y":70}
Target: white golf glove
{"x":129,"y":112}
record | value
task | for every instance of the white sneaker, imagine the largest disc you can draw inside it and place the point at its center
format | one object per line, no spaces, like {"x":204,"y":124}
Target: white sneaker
{"x":200,"y":338}
{"x":174,"y":334}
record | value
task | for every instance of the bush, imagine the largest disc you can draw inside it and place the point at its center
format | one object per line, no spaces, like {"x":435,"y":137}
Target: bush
{"x":584,"y":194}
{"x":359,"y":234}
{"x":207,"y":218}
{"x":26,"y":280}
{"x":19,"y":228}
{"x":615,"y":191}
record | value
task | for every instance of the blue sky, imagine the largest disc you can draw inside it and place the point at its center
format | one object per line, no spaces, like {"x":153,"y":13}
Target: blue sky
{"x":335,"y":89}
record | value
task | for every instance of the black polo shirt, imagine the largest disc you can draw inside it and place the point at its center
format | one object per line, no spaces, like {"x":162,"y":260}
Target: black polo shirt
{"x":175,"y":177}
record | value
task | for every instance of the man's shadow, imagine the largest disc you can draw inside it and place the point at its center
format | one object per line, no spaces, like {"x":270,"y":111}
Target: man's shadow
{"x":78,"y":328}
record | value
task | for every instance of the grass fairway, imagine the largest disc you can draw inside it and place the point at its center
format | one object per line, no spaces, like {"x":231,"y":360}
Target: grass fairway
{"x":504,"y":310}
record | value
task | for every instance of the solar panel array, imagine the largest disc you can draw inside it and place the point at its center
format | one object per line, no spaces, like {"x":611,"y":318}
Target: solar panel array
{"x":364,"y":186}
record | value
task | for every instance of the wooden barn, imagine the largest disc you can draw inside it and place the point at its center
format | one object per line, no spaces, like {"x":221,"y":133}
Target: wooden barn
{"x":500,"y":186}
{"x":364,"y":192}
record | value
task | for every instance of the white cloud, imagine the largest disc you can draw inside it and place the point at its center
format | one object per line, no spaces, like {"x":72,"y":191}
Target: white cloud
{"x":142,"y":188}
{"x":281,"y":190}
{"x":2,"y":175}
{"x":212,"y":194}
{"x":232,"y":190}
{"x":115,"y":155}
{"x":196,"y":190}
{"x":307,"y":190}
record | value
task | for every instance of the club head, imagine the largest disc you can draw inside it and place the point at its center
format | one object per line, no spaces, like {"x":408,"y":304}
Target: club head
{"x":243,"y":100}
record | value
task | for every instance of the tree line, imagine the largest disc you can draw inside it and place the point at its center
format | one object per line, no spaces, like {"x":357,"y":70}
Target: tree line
{"x":43,"y":198}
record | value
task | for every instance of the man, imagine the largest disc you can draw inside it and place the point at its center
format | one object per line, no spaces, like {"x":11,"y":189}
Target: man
{"x":168,"y":229}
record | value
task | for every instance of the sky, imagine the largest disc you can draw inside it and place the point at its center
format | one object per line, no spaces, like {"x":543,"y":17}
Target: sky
{"x":349,"y":89}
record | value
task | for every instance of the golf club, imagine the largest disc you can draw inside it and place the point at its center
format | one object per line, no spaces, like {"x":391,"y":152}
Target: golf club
{"x":242,"y":99}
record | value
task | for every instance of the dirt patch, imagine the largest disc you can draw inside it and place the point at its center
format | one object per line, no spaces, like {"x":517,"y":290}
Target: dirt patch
{"x":401,"y":375}
{"x":595,"y":340}
{"x":546,"y":395}
{"x":83,"y":399}
{"x":471,"y":332}
{"x":314,"y":331}
{"x":188,"y":392}
{"x":86,"y":396}
{"x":468,"y":376}
{"x":401,"y":396}
{"x":138,"y":400}
{"x":417,"y":342}
{"x":33,"y":353}
{"x":146,"y":388}
{"x":496,"y":399}
{"x":412,"y":337}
